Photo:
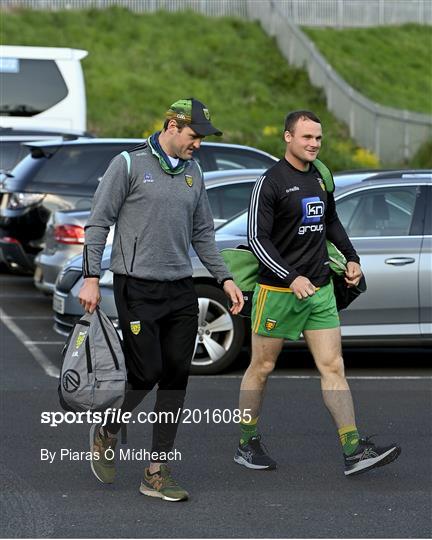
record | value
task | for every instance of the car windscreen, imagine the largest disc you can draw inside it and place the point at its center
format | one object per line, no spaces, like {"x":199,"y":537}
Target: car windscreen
{"x":71,"y":170}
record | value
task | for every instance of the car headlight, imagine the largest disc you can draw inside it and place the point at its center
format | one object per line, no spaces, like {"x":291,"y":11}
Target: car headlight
{"x":22,"y":200}
{"x":106,"y":278}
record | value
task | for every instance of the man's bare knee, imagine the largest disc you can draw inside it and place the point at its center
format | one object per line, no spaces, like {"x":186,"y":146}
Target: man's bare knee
{"x":262,"y":367}
{"x":333,"y":367}
{"x":265,"y":352}
{"x":336,"y":364}
{"x":325,"y":346}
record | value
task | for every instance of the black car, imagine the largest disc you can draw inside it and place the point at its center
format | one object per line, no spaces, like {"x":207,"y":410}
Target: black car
{"x":12,"y":151}
{"x":64,"y":175}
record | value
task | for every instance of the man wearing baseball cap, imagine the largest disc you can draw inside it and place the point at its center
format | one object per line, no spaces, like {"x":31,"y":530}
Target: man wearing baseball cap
{"x":156,"y":196}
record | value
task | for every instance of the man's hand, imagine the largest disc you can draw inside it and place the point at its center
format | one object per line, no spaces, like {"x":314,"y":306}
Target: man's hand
{"x":302,"y":287}
{"x":89,"y":295}
{"x":353,"y":274}
{"x":235,"y":295}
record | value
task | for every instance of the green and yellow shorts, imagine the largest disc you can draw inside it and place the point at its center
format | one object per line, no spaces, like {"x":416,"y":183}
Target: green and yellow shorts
{"x":277,"y":312}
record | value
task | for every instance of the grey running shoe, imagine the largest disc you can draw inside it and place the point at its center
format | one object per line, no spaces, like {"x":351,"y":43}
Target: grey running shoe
{"x":253,"y":455}
{"x":368,"y":456}
{"x":103,"y":455}
{"x":161,"y":484}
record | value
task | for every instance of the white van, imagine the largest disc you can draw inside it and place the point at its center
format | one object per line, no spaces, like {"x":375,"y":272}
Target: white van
{"x":42,"y":87}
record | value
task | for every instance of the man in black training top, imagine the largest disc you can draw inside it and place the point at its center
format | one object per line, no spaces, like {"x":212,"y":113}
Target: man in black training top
{"x":290,"y":216}
{"x":155,"y":195}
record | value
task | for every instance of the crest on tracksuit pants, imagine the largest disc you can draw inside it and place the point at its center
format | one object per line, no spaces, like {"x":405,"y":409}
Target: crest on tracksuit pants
{"x":135,"y":327}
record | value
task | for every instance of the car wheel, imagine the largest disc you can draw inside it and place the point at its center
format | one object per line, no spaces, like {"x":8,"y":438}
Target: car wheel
{"x":220,"y":336}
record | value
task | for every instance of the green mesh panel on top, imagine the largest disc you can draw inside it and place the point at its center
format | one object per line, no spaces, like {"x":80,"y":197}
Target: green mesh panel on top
{"x":181,"y":110}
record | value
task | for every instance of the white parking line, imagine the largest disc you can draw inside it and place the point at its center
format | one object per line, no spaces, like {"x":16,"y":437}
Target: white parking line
{"x":25,"y":317}
{"x":44,"y":342}
{"x":352,"y":377}
{"x":45,"y":363}
{"x":25,"y":295}
{"x":391,"y":377}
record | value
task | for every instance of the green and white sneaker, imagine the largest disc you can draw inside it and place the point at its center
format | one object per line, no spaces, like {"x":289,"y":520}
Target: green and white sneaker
{"x":161,"y":484}
{"x":103,"y":454}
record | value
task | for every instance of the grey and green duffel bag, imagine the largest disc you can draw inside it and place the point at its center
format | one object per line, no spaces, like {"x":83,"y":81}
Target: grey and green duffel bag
{"x":93,"y":375}
{"x":243,"y":265}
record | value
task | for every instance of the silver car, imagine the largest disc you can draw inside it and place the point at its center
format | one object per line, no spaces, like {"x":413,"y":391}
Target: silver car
{"x":64,"y":239}
{"x":389,"y":221}
{"x":228,"y":192}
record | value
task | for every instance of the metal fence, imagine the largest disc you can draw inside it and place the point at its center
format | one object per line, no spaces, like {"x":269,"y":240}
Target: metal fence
{"x":216,"y":8}
{"x":350,"y":13}
{"x":302,"y":12}
{"x":393,"y":134}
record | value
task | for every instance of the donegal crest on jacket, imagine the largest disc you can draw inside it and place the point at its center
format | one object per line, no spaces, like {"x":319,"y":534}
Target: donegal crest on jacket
{"x":189,"y":180}
{"x":135,"y":327}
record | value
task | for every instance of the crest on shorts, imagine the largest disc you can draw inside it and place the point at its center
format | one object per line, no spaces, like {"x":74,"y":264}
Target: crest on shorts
{"x":135,"y":327}
{"x":206,"y":113}
{"x":270,"y":324}
{"x":189,"y":180}
{"x":321,"y":183}
{"x":80,"y":339}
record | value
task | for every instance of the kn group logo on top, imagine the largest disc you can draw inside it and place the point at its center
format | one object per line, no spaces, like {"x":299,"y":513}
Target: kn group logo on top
{"x":313,"y":211}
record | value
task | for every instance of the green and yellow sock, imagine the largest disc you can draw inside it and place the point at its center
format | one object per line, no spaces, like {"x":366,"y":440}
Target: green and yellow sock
{"x":248,"y":429}
{"x":349,"y":439}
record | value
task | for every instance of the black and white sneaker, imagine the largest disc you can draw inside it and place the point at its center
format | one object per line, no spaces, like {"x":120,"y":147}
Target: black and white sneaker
{"x":368,"y":456}
{"x":254,"y":455}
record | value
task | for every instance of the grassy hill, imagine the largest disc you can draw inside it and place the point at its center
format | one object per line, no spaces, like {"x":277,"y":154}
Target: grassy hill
{"x":391,"y":65}
{"x":138,"y":64}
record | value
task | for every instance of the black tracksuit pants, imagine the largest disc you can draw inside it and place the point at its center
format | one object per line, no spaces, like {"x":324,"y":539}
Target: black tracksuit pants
{"x":159,"y":321}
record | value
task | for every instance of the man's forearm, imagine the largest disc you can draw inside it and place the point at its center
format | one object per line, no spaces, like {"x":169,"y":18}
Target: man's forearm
{"x":268,"y":255}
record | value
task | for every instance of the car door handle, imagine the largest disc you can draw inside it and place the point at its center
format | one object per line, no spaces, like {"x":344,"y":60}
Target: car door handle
{"x":400,"y":261}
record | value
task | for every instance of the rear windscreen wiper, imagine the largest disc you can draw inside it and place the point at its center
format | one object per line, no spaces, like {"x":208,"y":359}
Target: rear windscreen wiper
{"x":18,"y":110}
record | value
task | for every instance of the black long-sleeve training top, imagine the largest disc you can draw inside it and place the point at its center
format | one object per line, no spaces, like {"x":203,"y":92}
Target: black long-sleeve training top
{"x":290,"y":217}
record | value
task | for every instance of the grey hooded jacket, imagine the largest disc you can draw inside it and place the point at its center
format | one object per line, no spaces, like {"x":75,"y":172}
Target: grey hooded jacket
{"x":157,"y":216}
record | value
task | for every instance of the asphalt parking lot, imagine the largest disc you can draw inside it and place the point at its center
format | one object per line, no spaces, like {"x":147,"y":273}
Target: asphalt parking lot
{"x":308,"y":496}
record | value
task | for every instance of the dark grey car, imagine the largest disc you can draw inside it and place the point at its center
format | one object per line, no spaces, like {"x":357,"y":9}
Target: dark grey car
{"x":389,"y":221}
{"x":12,"y":151}
{"x":64,"y":175}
